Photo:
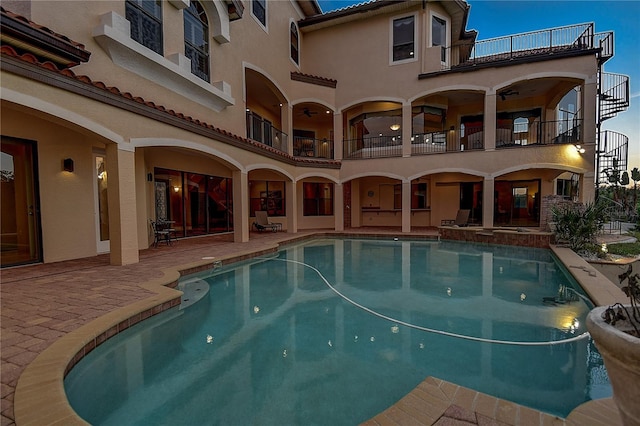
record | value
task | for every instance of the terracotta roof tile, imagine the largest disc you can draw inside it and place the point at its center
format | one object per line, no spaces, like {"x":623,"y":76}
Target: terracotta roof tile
{"x":7,"y":50}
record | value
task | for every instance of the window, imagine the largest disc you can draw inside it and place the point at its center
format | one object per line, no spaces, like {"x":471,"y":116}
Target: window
{"x":268,"y":196}
{"x":520,"y":125}
{"x":419,"y":196}
{"x":259,"y":10}
{"x":146,"y":22}
{"x":318,"y":199}
{"x":403,"y":38}
{"x":567,"y":188}
{"x":439,"y":35}
{"x":195,"y":203}
{"x":294,"y":43}
{"x":196,"y":36}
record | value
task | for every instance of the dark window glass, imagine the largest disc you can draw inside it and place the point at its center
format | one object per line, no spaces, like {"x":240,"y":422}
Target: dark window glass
{"x":196,"y":36}
{"x":146,"y":22}
{"x":259,"y":10}
{"x":294,"y":43}
{"x":268,"y":196}
{"x":403,"y":38}
{"x":439,"y":36}
{"x":318,"y":199}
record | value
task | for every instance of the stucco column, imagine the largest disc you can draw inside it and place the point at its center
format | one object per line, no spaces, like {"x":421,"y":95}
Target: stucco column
{"x":123,"y":222}
{"x":587,"y":187}
{"x":337,"y":136}
{"x":488,"y":187}
{"x":287,"y":127}
{"x":406,"y":206}
{"x":356,"y":215}
{"x":291,"y":202}
{"x":338,"y":207}
{"x":490,"y":121}
{"x":406,"y":129}
{"x":240,"y":183}
{"x":589,"y":101}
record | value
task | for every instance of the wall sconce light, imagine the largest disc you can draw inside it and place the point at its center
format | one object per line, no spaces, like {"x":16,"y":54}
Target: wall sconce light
{"x":452,"y":128}
{"x":394,"y":127}
{"x":149,"y":177}
{"x":176,"y":189}
{"x":67,"y":165}
{"x":580,"y":149}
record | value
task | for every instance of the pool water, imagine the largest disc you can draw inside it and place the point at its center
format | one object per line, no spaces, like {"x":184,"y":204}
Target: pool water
{"x":333,"y":331}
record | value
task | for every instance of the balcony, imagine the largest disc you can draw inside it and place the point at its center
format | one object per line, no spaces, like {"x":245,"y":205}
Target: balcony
{"x":314,"y":148}
{"x":372,"y":147}
{"x":570,"y":40}
{"x":262,"y":130}
{"x":541,"y":133}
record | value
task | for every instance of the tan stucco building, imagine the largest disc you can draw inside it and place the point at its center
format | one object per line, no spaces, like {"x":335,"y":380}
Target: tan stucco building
{"x":390,"y":113}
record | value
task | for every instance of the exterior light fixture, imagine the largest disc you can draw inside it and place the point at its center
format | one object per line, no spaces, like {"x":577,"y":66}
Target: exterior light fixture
{"x":394,"y":127}
{"x":176,"y":189}
{"x":580,"y":149}
{"x":67,"y":165}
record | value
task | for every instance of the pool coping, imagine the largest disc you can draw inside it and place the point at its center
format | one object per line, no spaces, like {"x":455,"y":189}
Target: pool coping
{"x":40,"y":397}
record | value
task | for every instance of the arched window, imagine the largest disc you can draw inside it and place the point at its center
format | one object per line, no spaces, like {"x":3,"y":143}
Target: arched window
{"x":520,"y":125}
{"x":196,"y":36}
{"x":145,"y":18}
{"x":294,"y":43}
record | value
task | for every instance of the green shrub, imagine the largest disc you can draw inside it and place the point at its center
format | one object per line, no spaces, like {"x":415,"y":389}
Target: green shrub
{"x":577,"y":225}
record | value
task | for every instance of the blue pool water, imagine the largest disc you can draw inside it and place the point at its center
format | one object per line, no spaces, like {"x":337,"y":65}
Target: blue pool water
{"x":333,"y":331}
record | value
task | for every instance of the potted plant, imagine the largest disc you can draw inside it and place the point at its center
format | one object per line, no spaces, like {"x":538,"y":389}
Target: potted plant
{"x":616,"y":332}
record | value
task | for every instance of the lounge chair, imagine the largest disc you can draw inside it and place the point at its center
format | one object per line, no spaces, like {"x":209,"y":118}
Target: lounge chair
{"x":262,"y":222}
{"x":461,"y":218}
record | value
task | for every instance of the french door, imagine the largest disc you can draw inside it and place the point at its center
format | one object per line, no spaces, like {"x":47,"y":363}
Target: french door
{"x":21,"y":239}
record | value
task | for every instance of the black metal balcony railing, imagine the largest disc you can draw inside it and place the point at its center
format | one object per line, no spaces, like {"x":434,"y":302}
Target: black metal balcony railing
{"x":309,"y":147}
{"x":613,"y":154}
{"x":542,"y":133}
{"x":614,"y":95}
{"x":372,"y":147}
{"x":574,"y":37}
{"x":429,"y":143}
{"x":263,"y":131}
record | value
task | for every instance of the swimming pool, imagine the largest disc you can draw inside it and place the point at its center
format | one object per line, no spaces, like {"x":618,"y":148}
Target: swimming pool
{"x":333,"y":331}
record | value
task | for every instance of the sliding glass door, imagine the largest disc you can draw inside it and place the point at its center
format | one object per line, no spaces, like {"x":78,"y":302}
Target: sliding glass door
{"x":20,"y":218}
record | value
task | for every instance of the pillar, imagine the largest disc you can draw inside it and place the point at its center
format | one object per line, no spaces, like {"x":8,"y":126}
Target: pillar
{"x":123,"y":222}
{"x":240,"y":182}
{"x":337,"y":136}
{"x":490,"y":121}
{"x":338,"y":206}
{"x":406,"y":129}
{"x":406,"y":206}
{"x":290,"y":206}
{"x":488,"y":202}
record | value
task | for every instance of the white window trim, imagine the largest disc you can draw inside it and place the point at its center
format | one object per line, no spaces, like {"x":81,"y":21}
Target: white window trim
{"x":265,"y":27}
{"x":416,"y":43}
{"x":113,"y":35}
{"x":448,"y":41}
{"x":291,"y":21}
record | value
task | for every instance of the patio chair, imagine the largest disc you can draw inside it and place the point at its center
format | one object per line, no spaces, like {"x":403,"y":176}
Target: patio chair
{"x":461,"y":219}
{"x":262,"y":222}
{"x":159,"y":234}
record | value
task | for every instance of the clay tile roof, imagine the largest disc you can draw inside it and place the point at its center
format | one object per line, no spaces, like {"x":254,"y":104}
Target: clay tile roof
{"x":314,"y":79}
{"x":26,"y":57}
{"x":26,"y":36}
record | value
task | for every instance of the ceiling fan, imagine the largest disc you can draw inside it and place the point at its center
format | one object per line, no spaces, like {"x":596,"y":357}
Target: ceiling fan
{"x":308,"y":112}
{"x":508,"y":92}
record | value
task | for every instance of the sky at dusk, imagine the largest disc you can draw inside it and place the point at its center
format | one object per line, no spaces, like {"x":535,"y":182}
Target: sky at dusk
{"x":494,"y":18}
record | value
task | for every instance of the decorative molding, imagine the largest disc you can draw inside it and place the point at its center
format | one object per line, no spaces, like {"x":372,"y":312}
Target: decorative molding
{"x":174,"y":73}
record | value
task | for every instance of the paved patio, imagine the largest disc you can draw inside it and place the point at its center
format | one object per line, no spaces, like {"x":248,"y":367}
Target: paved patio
{"x":42,"y":303}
